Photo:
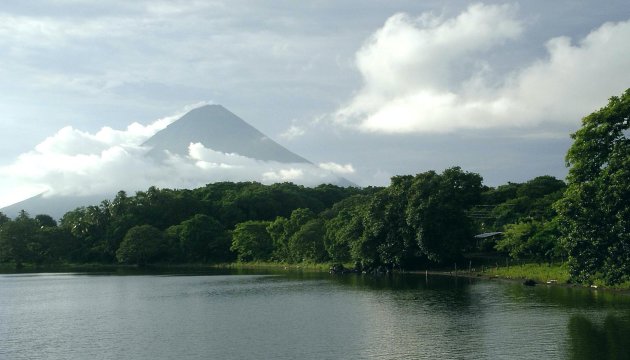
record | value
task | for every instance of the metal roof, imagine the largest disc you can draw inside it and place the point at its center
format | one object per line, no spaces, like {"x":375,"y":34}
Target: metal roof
{"x":488,"y":234}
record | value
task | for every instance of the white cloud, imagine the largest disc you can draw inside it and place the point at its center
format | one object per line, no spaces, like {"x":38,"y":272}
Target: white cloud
{"x":338,"y":168}
{"x":293,"y":132}
{"x":208,"y":158}
{"x":429,"y":75}
{"x":283,"y":175}
{"x":81,"y":163}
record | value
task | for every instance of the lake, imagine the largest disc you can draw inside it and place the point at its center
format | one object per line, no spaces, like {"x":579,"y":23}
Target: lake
{"x":244,"y":315}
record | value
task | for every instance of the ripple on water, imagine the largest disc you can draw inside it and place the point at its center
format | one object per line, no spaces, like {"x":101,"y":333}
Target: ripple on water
{"x":71,"y":316}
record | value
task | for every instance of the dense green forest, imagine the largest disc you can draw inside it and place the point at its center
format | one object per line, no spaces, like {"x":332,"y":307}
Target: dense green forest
{"x":417,"y":220}
{"x":429,"y":219}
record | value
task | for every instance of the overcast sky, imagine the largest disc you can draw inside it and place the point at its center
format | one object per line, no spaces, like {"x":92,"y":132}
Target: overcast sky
{"x":368,"y":89}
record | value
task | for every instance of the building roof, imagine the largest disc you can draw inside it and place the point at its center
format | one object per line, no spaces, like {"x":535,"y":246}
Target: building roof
{"x":488,"y":234}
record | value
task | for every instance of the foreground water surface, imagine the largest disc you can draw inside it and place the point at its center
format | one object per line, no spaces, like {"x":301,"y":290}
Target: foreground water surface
{"x":304,"y":316}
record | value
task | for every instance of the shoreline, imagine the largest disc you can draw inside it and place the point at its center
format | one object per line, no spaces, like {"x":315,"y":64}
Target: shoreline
{"x":488,"y":277}
{"x":302,"y":267}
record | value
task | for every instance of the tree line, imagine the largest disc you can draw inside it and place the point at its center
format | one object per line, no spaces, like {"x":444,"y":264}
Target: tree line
{"x":415,"y":221}
{"x":425,"y":219}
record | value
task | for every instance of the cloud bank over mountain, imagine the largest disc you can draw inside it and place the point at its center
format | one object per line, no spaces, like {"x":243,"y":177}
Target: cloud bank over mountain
{"x":73,"y":162}
{"x":430,"y":74}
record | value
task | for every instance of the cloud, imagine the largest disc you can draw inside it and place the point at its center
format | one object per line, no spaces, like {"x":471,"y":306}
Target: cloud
{"x":337,"y":168}
{"x":432,"y":75}
{"x":283,"y":175}
{"x":293,"y":132}
{"x":208,"y":158}
{"x":75,"y":162}
{"x":81,"y":163}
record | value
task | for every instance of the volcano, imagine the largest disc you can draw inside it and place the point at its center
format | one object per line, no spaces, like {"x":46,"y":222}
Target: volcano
{"x":216,"y":127}
{"x":220,"y":133}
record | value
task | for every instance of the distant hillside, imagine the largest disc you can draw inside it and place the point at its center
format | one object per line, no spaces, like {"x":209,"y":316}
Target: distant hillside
{"x":54,"y":206}
{"x":218,"y":129}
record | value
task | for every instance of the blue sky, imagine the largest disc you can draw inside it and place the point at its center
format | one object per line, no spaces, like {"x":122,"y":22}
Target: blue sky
{"x":369,"y":89}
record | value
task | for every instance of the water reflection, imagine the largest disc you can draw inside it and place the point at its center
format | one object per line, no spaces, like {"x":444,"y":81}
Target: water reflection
{"x":412,"y":316}
{"x":589,"y":340}
{"x":567,"y":297}
{"x":304,"y":315}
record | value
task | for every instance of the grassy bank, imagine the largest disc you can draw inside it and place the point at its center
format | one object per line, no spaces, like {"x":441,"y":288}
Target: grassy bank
{"x":97,"y":267}
{"x":303,"y":266}
{"x":541,"y":273}
{"x":545,"y":273}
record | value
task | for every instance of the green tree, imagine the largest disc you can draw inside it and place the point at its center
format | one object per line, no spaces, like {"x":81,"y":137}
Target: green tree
{"x":44,"y":220}
{"x":174,"y":250}
{"x":437,"y":212}
{"x":3,"y":218}
{"x":89,"y":226}
{"x":251,"y":241}
{"x":386,"y":239}
{"x":142,"y":244}
{"x":279,"y":232}
{"x":594,"y":213}
{"x":288,"y":247}
{"x":19,"y":240}
{"x":515,"y":238}
{"x":531,"y":239}
{"x":59,"y":243}
{"x":307,"y":243}
{"x":344,"y":227}
{"x":203,"y":238}
{"x":533,"y":199}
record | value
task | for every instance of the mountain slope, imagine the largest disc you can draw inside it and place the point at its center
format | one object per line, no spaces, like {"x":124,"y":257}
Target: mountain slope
{"x":54,"y":206}
{"x":217,"y":128}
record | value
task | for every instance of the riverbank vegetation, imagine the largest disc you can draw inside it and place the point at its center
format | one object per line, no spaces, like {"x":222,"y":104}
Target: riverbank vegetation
{"x":428,"y":220}
{"x":540,"y":273}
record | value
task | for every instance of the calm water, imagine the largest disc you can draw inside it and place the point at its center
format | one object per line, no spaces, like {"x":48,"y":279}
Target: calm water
{"x":304,"y":316}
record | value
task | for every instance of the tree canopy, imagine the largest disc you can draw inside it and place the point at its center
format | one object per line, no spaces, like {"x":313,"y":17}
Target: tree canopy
{"x":416,"y":221}
{"x":595,"y":210}
{"x":251,"y":241}
{"x":141,"y":245}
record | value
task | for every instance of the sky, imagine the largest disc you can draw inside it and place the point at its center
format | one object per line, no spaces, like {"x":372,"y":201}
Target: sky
{"x":364,"y":89}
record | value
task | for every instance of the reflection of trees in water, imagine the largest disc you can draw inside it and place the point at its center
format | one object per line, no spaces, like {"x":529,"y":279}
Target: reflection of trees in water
{"x":448,"y":294}
{"x":588,"y":340}
{"x":567,"y":297}
{"x":413,"y":316}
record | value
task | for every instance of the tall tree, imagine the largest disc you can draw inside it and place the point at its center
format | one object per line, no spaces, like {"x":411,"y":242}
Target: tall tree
{"x":279,"y":232}
{"x":18,"y":240}
{"x":595,"y":210}
{"x":287,"y":246}
{"x":89,"y":226}
{"x":437,"y":212}
{"x":344,"y":227}
{"x":386,"y":230}
{"x":307,"y":243}
{"x":44,"y":220}
{"x":251,"y":241}
{"x":203,"y":238}
{"x":142,"y":244}
{"x":3,"y":218}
